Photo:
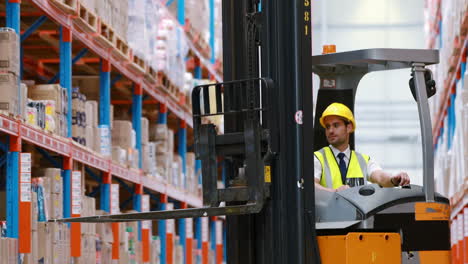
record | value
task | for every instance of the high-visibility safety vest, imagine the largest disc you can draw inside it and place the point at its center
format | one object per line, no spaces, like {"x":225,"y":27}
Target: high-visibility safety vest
{"x":331,"y":175}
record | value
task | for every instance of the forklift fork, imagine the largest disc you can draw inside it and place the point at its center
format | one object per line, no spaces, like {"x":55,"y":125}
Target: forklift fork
{"x":250,"y":146}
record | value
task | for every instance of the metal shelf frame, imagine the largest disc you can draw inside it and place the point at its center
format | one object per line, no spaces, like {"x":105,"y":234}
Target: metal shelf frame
{"x":459,"y":200}
{"x":70,"y":151}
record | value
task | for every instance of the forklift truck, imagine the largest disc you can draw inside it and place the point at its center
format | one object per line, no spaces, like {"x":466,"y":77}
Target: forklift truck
{"x":273,"y":212}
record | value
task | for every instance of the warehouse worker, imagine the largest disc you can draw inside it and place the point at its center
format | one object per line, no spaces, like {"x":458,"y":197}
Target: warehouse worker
{"x":336,"y":167}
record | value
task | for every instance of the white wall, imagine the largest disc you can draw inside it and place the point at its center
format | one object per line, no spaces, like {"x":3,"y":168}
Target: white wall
{"x":386,"y":114}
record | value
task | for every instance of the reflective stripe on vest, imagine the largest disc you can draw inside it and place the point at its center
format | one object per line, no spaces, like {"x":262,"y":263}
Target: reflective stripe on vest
{"x":331,"y":175}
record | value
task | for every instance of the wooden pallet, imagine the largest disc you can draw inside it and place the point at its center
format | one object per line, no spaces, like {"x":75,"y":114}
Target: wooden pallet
{"x":151,"y":74}
{"x":198,"y":41}
{"x":67,"y":6}
{"x":121,"y":48}
{"x":167,"y":86}
{"x":86,"y":20}
{"x":106,"y":36}
{"x":138,"y":64}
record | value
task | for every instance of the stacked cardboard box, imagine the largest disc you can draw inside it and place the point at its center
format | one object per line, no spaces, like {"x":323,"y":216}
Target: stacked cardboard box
{"x":9,"y":68}
{"x":54,"y":243}
{"x":191,"y":178}
{"x":148,"y":150}
{"x":92,"y":130}
{"x":48,"y":106}
{"x":8,"y":250}
{"x":124,"y":138}
{"x":52,"y":183}
{"x":79,"y":116}
{"x":164,"y":140}
{"x":177,"y":175}
{"x":149,"y":159}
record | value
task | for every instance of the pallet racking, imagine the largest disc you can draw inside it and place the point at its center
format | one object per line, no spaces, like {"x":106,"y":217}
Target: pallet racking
{"x":66,"y":28}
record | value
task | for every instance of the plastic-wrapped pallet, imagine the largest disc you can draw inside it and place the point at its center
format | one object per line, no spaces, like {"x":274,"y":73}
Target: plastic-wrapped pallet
{"x":137,"y":36}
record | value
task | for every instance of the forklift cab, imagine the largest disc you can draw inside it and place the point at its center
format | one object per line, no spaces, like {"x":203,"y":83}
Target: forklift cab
{"x":406,"y":211}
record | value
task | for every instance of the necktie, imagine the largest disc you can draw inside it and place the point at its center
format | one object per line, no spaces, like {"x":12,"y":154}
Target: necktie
{"x":342,"y":165}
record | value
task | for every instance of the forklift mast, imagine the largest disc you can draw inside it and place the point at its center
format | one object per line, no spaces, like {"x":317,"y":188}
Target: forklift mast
{"x":273,"y":38}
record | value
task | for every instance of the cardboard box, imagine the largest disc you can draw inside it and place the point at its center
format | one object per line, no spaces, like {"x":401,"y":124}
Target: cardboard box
{"x":53,"y":182}
{"x":158,"y":132}
{"x":89,"y":85}
{"x":144,"y":130}
{"x":51,"y":92}
{"x":90,"y":137}
{"x":55,"y":204}
{"x":104,"y":230}
{"x":149,"y":158}
{"x":92,"y":110}
{"x":122,"y":134}
{"x":45,"y":238}
{"x":9,"y":91}
{"x":9,"y":52}
{"x":133,"y":158}
{"x":190,"y":159}
{"x":177,"y":174}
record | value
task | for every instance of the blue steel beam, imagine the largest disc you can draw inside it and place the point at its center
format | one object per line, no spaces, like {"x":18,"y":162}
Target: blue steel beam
{"x":137,"y":207}
{"x":182,"y":148}
{"x":104,"y":121}
{"x":13,"y":16}
{"x":12,"y":186}
{"x":66,"y":83}
{"x":183,"y":233}
{"x":169,"y":2}
{"x":212,"y":30}
{"x":74,"y":61}
{"x":213,"y":236}
{"x":181,"y":11}
{"x":198,"y":237}
{"x":105,"y":197}
{"x":162,"y":115}
{"x":12,"y":200}
{"x":137,"y":107}
{"x":104,"y":93}
{"x":162,"y":235}
{"x":66,"y":71}
{"x":33,"y":27}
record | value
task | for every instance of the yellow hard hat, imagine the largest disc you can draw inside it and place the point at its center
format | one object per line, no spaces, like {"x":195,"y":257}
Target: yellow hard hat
{"x":338,"y":109}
